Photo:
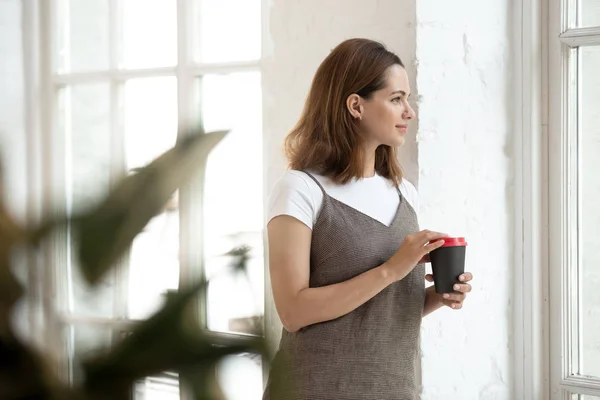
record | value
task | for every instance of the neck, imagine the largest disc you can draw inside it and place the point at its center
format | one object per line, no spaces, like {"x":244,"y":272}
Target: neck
{"x":369,"y":169}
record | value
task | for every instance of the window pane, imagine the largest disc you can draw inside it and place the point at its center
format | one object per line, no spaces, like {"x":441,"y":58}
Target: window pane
{"x":154,"y":265}
{"x":233,"y":199}
{"x":235,"y":299}
{"x":150,"y":33}
{"x":88,"y":136}
{"x":85,"y":121}
{"x":161,"y":387}
{"x":240,"y":377}
{"x":590,"y":212}
{"x":234,"y":171}
{"x":227,"y":30}
{"x":86,"y":341}
{"x":589,"y":13}
{"x":150,"y":118}
{"x":84,"y":38}
{"x":151,"y":129}
{"x":583,"y":397}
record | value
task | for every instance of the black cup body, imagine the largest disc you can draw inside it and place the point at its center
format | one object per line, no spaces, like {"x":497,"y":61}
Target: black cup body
{"x":447,"y":264}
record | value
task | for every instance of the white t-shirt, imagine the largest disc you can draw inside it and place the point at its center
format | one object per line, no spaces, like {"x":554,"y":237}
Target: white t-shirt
{"x":297,"y":195}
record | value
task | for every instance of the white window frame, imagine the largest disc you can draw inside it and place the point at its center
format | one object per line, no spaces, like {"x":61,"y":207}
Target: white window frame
{"x":562,"y":189}
{"x":45,"y":144}
{"x":542,"y":351}
{"x":530,"y":306}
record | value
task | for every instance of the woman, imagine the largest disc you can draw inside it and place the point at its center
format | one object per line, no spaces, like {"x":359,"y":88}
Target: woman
{"x":345,"y":251}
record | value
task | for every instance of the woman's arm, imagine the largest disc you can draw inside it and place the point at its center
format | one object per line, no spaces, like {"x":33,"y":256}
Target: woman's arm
{"x":433,"y":301}
{"x":297,"y":304}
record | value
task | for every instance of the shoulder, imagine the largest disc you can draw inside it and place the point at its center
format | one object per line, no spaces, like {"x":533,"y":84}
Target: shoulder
{"x":409,"y":191}
{"x":295,"y":182}
{"x":297,"y":195}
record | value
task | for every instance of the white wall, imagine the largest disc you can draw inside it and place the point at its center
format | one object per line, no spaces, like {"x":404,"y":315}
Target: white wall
{"x":463,"y":161}
{"x":298,"y":36}
{"x":465,"y":184}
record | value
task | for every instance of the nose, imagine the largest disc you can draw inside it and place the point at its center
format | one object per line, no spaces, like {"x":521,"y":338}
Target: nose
{"x":409,"y":113}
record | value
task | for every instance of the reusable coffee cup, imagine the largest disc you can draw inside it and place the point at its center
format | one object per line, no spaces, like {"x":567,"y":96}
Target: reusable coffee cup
{"x":448,"y":263}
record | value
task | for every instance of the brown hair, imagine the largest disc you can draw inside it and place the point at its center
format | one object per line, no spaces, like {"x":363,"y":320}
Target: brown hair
{"x":326,"y":136}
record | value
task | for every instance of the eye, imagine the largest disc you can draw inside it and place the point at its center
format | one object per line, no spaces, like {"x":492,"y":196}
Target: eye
{"x":397,"y":99}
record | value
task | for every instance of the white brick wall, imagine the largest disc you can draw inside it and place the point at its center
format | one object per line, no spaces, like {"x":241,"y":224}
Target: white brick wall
{"x":465,"y":184}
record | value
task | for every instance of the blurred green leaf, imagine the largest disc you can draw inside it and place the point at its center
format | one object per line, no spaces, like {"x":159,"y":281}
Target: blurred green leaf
{"x":10,"y":231}
{"x":107,"y":231}
{"x":161,"y":343}
{"x":167,"y":341}
{"x":24,"y":373}
{"x":10,"y":289}
{"x":241,"y":255}
{"x":37,"y":234}
{"x":10,"y":292}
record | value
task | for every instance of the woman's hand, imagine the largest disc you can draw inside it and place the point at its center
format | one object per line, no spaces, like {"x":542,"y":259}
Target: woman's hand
{"x":411,"y":252}
{"x":453,"y":300}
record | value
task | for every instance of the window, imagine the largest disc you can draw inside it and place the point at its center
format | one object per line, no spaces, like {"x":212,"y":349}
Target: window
{"x":120,"y":77}
{"x":574,"y":196}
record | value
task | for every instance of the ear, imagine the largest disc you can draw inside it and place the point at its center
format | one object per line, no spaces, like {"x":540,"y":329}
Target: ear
{"x":354,"y":103}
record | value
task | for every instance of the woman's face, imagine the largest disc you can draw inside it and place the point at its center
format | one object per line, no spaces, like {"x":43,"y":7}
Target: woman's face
{"x":385,"y":115}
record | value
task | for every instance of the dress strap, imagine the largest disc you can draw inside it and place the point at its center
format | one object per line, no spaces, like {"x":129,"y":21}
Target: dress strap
{"x":317,"y":182}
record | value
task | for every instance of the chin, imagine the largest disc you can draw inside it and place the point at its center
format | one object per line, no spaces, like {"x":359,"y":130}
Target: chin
{"x":396,"y":142}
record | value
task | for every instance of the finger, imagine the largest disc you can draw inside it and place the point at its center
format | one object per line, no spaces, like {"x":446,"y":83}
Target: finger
{"x":464,"y":288}
{"x":429,"y":278}
{"x":454,"y":296}
{"x":428,"y":236}
{"x":453,"y":304}
{"x":466,"y":277}
{"x":432,"y":236}
{"x":432,"y":246}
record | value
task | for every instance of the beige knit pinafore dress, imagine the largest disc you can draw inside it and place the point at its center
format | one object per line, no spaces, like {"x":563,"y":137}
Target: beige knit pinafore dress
{"x":371,"y":352}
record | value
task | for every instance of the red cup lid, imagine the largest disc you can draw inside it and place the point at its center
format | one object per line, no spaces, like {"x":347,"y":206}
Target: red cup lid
{"x":454,"y":241}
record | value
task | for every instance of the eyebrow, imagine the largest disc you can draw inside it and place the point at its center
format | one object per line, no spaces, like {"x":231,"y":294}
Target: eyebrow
{"x":402,"y":92}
